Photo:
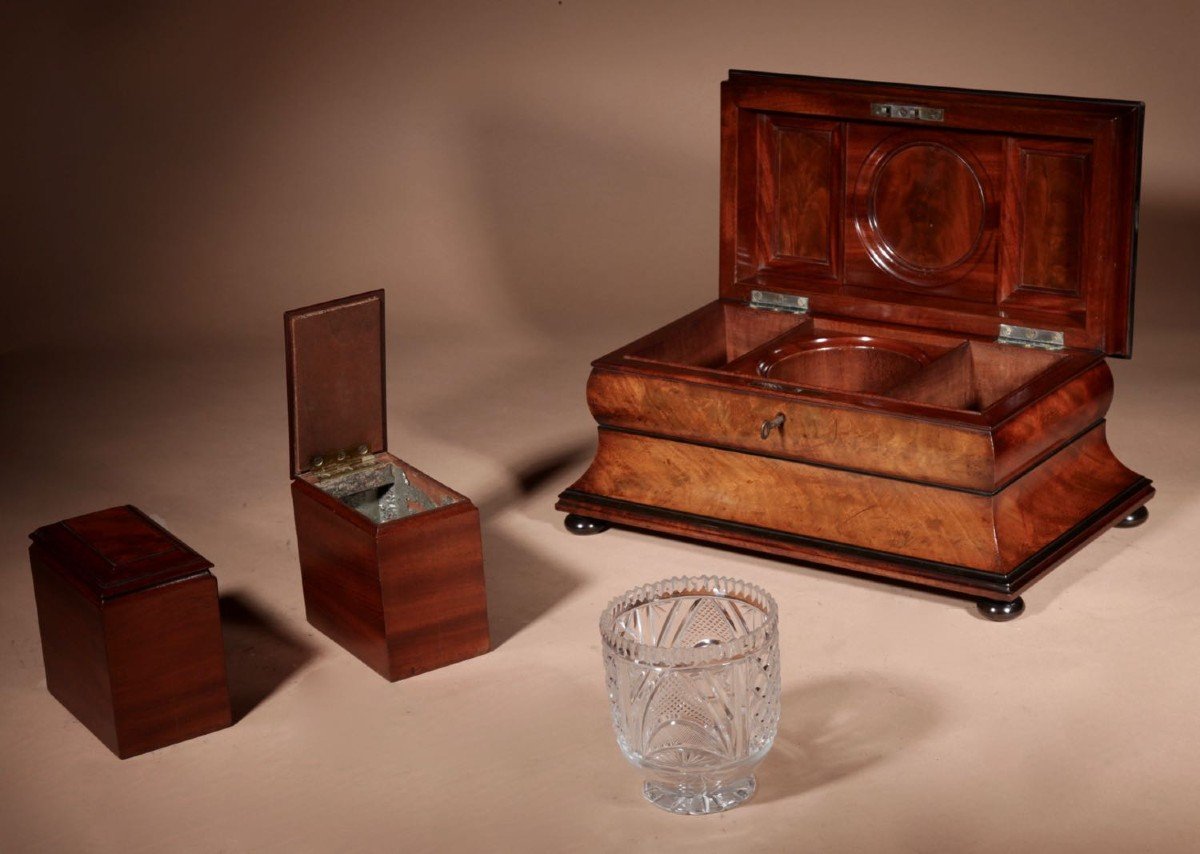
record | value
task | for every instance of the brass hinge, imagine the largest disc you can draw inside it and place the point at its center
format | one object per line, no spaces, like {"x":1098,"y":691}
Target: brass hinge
{"x":913,"y":112}
{"x":1023,"y":336}
{"x":772,"y":301}
{"x":336,"y":463}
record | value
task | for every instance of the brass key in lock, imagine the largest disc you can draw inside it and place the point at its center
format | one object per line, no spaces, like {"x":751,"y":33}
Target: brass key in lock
{"x":775,"y":423}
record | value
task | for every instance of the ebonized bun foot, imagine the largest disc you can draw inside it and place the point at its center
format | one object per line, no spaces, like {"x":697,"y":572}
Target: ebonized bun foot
{"x":1001,"y":612}
{"x":1135,"y":518}
{"x":584,"y":525}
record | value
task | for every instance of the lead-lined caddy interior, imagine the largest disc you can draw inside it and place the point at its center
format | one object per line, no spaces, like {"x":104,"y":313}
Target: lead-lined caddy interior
{"x":385,"y":491}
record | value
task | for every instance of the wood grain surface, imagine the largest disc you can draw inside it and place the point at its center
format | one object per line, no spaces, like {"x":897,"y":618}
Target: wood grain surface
{"x":404,"y":596}
{"x":336,"y":378}
{"x":949,"y":539}
{"x":1010,"y":207}
{"x":130,"y":629}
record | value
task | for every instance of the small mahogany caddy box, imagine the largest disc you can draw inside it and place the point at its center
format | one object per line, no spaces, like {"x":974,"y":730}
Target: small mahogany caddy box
{"x":905,"y":373}
{"x":131,"y":630}
{"x":391,"y":560}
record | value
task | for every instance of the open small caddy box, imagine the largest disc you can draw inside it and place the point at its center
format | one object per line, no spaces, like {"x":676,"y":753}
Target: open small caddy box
{"x":905,"y":373}
{"x":391,"y":560}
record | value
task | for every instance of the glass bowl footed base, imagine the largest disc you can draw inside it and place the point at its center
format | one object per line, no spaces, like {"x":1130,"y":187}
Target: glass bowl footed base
{"x":689,"y":800}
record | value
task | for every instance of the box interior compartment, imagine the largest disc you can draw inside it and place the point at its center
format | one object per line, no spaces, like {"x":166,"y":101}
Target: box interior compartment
{"x":975,"y":375}
{"x":713,"y":336}
{"x":913,"y":366}
{"x":834,"y":354}
{"x":386,"y":491}
{"x":844,"y":356}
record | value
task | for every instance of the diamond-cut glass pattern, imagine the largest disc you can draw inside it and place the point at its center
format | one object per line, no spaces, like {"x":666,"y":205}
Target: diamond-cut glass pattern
{"x":692,"y":667}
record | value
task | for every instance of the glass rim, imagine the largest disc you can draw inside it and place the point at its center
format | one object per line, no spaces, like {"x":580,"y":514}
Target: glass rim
{"x":673,"y":588}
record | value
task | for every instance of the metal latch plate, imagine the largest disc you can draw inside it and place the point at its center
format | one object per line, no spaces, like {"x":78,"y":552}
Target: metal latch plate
{"x":913,"y":112}
{"x":1024,"y":336}
{"x":778,"y":302}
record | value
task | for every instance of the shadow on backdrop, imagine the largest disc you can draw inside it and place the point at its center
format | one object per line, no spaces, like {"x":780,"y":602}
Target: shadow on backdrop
{"x":837,"y":726}
{"x":260,"y":653}
{"x":522,"y":584}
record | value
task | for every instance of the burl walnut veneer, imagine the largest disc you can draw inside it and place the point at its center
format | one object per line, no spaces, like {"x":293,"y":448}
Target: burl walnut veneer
{"x":391,"y":560}
{"x":131,"y":630}
{"x":905,"y":373}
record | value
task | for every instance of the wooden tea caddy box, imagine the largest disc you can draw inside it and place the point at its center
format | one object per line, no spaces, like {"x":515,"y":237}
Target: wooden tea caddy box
{"x":391,"y":560}
{"x":904,"y":374}
{"x":131,"y":630}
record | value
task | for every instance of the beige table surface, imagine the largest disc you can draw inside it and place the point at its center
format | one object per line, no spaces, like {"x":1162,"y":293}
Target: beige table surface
{"x":909,"y":723}
{"x":536,"y":184}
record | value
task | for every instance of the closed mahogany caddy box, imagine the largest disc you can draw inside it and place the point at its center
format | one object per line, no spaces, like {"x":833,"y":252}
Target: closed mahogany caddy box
{"x":905,"y":373}
{"x":391,"y":560}
{"x":131,"y":630}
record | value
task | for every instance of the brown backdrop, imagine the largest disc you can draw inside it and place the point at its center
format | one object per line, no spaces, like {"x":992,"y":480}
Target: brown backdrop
{"x":194,"y":169}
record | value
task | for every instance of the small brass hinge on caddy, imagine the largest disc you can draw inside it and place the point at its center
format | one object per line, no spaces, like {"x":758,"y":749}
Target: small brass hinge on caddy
{"x":337,"y":463}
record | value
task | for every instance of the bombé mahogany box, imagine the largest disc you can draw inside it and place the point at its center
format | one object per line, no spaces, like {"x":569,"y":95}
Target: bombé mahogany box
{"x":391,"y":561}
{"x":904,"y":372}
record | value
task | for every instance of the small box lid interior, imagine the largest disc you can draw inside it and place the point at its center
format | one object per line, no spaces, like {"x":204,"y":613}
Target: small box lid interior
{"x":118,"y":550}
{"x":941,"y":208}
{"x":335,"y":374}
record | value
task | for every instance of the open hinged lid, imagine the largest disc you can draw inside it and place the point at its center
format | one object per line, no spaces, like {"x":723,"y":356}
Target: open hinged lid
{"x":118,"y":550}
{"x":941,"y":208}
{"x":335,"y":377}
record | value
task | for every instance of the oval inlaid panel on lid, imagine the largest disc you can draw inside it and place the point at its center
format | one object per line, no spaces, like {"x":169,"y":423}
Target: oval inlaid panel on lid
{"x":927,"y":207}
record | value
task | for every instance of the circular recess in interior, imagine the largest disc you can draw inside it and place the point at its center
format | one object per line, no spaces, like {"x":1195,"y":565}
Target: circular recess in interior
{"x":925,"y":211}
{"x":854,"y":363}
